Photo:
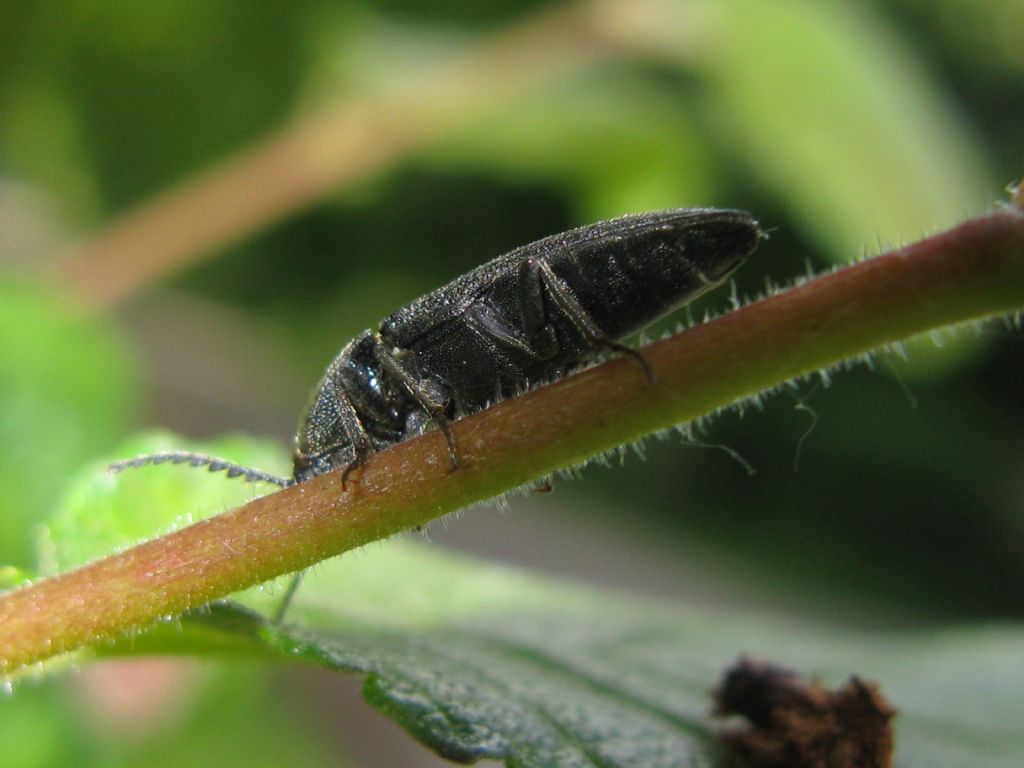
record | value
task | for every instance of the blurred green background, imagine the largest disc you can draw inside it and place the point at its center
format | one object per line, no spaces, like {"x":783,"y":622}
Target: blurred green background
{"x":201,"y":202}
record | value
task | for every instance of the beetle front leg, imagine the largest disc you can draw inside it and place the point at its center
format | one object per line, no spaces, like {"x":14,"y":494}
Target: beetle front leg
{"x":333,"y":417}
{"x":428,"y":400}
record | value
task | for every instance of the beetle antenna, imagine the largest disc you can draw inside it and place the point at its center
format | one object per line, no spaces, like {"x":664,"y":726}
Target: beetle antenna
{"x":202,"y":460}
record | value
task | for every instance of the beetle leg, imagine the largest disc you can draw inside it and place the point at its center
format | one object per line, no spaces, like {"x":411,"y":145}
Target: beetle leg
{"x":286,"y":599}
{"x":422,"y":395}
{"x":539,"y":333}
{"x":566,"y":301}
{"x":354,"y":431}
{"x":495,"y":331}
{"x":547,"y":485}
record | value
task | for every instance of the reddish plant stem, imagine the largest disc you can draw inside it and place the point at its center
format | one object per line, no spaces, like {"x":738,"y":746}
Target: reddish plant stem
{"x":971,"y":271}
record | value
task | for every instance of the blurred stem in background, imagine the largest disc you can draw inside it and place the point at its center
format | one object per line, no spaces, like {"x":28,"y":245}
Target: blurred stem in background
{"x":298,"y":166}
{"x":763,"y":103}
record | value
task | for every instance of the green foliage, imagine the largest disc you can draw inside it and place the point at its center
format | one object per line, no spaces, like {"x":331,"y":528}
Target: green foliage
{"x":165,"y":91}
{"x":102,"y":512}
{"x":851,"y":96}
{"x":225,"y":710}
{"x":67,"y":389}
{"x":479,"y":662}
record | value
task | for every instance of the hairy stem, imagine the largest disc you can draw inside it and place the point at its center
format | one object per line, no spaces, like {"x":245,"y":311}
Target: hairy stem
{"x":972,"y":271}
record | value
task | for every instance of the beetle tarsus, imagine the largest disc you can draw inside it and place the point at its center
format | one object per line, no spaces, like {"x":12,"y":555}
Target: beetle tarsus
{"x":349,"y":469}
{"x":446,"y":429}
{"x":633,"y":353}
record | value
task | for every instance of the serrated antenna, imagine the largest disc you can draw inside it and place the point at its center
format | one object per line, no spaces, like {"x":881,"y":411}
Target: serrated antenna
{"x":201,"y":460}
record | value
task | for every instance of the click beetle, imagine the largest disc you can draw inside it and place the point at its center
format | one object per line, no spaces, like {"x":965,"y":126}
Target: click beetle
{"x":528,"y":317}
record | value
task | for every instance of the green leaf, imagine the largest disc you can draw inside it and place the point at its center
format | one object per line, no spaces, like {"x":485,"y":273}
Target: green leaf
{"x":848,"y":126}
{"x":12,"y":578}
{"x":101,"y":513}
{"x":157,"y":716}
{"x":66,"y":392}
{"x":478,"y":661}
{"x":848,"y":129}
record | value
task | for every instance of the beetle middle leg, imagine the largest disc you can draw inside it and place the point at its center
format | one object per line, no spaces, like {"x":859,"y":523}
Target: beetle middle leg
{"x":536,"y":276}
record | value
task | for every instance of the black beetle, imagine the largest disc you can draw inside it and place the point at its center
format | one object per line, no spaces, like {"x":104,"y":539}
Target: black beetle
{"x":525,"y":318}
{"x":528,"y":317}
